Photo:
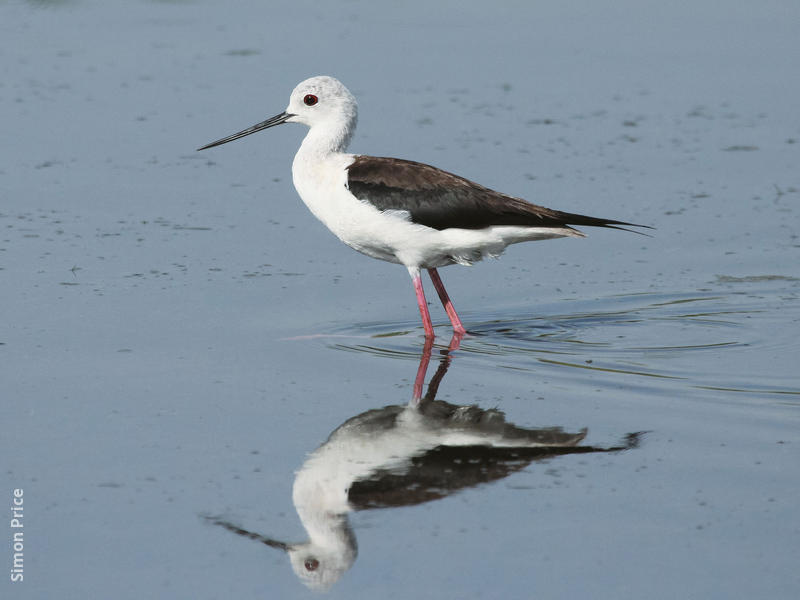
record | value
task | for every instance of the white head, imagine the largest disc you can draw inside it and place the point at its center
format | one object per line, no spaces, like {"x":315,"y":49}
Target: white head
{"x":320,"y":102}
{"x":319,"y":566}
{"x":318,"y":563}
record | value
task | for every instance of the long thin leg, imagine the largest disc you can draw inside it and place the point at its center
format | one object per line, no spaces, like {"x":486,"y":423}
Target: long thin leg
{"x":417,"y":399}
{"x":446,"y":302}
{"x":421,"y":302}
{"x":424,"y":360}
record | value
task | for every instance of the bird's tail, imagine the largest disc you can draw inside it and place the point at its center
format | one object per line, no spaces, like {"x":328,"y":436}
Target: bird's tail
{"x":586,"y":221}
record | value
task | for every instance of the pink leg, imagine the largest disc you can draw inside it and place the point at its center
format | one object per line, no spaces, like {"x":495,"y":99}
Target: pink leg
{"x":424,"y":360}
{"x":446,"y":302}
{"x":421,"y":302}
{"x":455,"y":342}
{"x":417,"y":399}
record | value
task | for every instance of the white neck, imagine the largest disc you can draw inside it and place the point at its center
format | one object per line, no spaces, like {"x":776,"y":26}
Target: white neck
{"x":328,"y":137}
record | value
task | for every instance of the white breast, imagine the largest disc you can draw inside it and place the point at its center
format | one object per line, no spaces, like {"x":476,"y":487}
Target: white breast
{"x":321,"y":182}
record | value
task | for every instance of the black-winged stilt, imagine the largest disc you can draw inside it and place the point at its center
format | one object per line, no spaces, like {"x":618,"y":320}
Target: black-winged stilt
{"x":403,"y":211}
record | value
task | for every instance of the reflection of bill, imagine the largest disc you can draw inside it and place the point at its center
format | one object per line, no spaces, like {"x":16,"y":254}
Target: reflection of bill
{"x":401,"y":456}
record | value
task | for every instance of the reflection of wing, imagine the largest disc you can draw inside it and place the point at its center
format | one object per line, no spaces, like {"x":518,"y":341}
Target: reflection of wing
{"x":446,"y":470}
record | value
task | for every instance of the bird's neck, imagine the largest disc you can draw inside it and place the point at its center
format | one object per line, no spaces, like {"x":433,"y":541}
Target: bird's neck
{"x":325,"y":139}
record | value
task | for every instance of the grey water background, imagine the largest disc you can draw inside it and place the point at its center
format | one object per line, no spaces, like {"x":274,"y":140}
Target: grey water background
{"x":178,"y":332}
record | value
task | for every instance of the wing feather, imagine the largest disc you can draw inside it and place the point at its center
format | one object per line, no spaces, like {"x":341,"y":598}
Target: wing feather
{"x":442,"y":200}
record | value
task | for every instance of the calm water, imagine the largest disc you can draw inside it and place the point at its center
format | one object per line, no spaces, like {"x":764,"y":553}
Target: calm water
{"x":194,"y":369}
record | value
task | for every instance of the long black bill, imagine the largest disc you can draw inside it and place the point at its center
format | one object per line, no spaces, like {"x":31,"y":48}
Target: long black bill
{"x":276,"y":120}
{"x":249,"y":534}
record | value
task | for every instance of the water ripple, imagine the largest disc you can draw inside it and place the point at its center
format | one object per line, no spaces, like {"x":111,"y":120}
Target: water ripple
{"x":713,"y":340}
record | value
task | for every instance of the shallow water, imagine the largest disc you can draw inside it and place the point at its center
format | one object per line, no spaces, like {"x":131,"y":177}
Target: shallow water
{"x":182,"y":340}
{"x":701,"y":340}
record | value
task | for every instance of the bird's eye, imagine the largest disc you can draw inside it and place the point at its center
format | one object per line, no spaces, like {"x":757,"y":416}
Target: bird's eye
{"x":311,"y":564}
{"x":310,"y":100}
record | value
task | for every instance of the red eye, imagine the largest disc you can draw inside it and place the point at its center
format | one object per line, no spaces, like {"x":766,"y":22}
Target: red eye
{"x":311,"y":564}
{"x":310,"y":100}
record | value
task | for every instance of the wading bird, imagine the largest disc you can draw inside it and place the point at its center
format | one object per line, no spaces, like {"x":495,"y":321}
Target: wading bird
{"x":403,"y":211}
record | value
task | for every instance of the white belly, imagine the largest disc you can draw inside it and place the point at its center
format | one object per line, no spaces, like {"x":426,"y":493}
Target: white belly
{"x":390,"y":235}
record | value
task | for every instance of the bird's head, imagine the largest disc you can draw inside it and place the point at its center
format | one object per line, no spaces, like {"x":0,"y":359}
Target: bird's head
{"x":321,"y":101}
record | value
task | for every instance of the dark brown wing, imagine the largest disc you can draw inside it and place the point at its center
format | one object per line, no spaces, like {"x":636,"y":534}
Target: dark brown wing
{"x":442,"y":200}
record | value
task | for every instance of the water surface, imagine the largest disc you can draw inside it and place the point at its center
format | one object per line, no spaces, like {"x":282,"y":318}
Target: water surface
{"x":180,"y":336}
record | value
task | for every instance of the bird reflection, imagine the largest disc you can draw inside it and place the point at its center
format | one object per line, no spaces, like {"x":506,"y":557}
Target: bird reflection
{"x":404,"y":455}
